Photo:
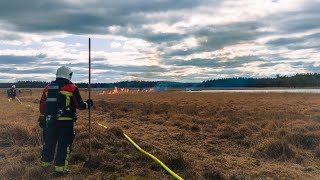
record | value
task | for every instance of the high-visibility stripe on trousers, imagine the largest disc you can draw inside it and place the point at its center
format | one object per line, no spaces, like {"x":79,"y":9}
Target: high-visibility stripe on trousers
{"x":59,"y":168}
{"x":45,"y":164}
{"x":59,"y":133}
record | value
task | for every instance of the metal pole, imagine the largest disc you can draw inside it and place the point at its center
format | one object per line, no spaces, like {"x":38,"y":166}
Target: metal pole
{"x":89,"y":98}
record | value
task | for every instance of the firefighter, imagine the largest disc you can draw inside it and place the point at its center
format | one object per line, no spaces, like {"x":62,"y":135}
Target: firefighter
{"x":58,"y":105}
{"x":12,"y":92}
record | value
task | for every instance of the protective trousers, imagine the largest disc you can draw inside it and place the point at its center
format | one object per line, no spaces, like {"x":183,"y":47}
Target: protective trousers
{"x":61,"y":133}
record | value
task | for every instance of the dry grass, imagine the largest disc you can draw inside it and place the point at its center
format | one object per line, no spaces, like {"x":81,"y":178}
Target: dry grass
{"x":198,"y":135}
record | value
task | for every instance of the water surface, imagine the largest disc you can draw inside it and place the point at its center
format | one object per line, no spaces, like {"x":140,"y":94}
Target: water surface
{"x":314,"y":91}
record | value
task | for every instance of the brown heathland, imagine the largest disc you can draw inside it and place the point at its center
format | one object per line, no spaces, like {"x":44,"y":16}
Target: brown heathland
{"x":198,"y":135}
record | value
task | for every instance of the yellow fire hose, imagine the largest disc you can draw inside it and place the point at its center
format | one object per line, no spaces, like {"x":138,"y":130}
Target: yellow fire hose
{"x":19,"y":100}
{"x":148,"y":154}
{"x":29,"y":106}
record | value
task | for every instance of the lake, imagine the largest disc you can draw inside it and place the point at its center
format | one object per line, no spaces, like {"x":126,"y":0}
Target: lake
{"x":314,"y":91}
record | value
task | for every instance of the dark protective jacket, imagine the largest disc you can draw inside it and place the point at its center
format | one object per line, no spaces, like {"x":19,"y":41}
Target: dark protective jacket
{"x":71,"y":98}
{"x":12,"y":92}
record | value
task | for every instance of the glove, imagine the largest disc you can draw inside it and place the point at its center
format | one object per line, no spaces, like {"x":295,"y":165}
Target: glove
{"x":42,"y":121}
{"x":90,"y":102}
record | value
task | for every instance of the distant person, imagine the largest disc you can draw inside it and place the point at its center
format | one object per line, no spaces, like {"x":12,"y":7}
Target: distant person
{"x":58,"y":105}
{"x":86,"y":90}
{"x":30,"y":91}
{"x":19,"y":91}
{"x":12,"y":92}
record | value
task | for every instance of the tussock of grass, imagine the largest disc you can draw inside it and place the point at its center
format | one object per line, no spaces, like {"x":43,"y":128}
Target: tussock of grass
{"x":78,"y":157}
{"x":116,"y":131}
{"x":275,"y":149}
{"x":176,"y":161}
{"x":30,"y":157}
{"x":213,"y":175}
{"x":117,"y":114}
{"x":16,"y":134}
{"x":304,"y":140}
{"x":15,"y":171}
{"x":195,"y":128}
{"x":317,"y":151}
{"x":96,"y":144}
{"x":37,"y":173}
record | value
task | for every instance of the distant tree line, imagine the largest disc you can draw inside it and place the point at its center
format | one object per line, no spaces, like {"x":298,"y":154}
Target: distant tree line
{"x":298,"y":80}
{"x":25,"y":84}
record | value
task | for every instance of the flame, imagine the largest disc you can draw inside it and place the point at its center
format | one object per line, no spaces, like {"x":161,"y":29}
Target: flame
{"x":102,"y":93}
{"x":117,"y":90}
{"x":149,"y":90}
{"x":114,"y":91}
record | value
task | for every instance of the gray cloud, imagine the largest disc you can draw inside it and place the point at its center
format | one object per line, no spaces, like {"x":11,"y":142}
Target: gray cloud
{"x":285,"y":41}
{"x":295,"y":43}
{"x":100,"y":66}
{"x":29,"y":71}
{"x":221,"y":36}
{"x":218,"y":62}
{"x":268,"y":64}
{"x":308,"y":66}
{"x":299,"y":21}
{"x":217,"y":37}
{"x":21,"y":60}
{"x":82,"y":18}
{"x":156,"y":69}
{"x":10,"y":37}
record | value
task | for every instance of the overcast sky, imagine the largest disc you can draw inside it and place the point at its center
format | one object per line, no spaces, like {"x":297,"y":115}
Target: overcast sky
{"x":183,"y":40}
